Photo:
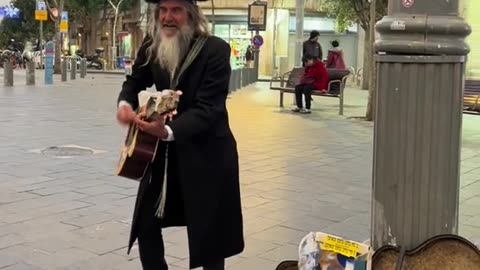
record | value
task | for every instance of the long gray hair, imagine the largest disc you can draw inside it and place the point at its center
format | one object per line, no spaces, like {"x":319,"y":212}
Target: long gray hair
{"x":198,"y":26}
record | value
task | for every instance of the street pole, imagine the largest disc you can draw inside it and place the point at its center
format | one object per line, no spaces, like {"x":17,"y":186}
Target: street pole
{"x":41,"y":41}
{"x":420,"y":63}
{"x":257,"y":28}
{"x":300,"y":14}
{"x":41,"y":32}
{"x":256,"y":58}
{"x":213,"y":17}
{"x":274,"y":39}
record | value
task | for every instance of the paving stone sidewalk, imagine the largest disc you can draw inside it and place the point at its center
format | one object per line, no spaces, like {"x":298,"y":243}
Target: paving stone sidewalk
{"x":299,"y":173}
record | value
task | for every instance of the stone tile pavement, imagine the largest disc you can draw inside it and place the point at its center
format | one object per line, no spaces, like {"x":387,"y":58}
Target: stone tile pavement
{"x":299,"y":173}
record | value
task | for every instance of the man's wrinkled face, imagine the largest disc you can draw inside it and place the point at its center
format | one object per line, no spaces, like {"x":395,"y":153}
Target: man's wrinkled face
{"x":173,"y":16}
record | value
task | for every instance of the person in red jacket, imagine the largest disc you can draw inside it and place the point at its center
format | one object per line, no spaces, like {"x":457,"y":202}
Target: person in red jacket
{"x":335,"y":57}
{"x":315,"y":77}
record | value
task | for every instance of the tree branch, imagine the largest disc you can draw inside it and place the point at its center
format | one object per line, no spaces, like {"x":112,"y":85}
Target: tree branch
{"x":359,"y":9}
{"x":106,"y":13}
{"x":117,"y":6}
{"x":49,"y":9}
{"x":111,"y":3}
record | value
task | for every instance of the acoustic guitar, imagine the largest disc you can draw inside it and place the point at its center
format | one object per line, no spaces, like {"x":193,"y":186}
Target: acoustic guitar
{"x":139,"y":148}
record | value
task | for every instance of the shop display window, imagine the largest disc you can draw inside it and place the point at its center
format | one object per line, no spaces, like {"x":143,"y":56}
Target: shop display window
{"x":238,"y":36}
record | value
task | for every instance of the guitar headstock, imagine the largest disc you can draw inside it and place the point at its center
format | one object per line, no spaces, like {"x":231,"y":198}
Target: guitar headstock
{"x":162,"y":103}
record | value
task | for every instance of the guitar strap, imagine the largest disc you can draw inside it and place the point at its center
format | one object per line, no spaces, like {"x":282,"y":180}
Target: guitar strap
{"x":192,"y":54}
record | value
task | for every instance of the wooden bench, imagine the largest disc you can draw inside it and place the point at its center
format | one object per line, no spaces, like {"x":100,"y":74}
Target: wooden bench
{"x":471,"y":96}
{"x":336,"y":85}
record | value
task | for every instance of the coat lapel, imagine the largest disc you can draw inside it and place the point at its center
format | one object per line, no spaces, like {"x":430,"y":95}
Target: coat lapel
{"x":162,"y":77}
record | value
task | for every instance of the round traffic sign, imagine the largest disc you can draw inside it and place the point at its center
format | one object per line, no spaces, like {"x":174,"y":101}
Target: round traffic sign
{"x":258,"y":41}
{"x":408,"y":3}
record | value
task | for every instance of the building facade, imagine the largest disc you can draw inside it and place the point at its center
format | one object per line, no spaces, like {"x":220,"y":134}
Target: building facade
{"x":277,"y":55}
{"x":229,"y":21}
{"x":98,"y":32}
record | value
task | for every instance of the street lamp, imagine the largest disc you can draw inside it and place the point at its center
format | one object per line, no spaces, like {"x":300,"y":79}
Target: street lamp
{"x":420,"y":64}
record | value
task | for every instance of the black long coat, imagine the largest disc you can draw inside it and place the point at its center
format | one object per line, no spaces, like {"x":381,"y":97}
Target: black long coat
{"x":203,"y":191}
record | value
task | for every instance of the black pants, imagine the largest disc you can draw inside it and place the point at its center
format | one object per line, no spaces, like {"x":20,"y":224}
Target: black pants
{"x":150,"y":239}
{"x":305,"y":89}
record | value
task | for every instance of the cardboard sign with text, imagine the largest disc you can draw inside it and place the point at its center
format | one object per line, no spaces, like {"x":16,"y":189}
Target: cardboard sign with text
{"x":322,"y":251}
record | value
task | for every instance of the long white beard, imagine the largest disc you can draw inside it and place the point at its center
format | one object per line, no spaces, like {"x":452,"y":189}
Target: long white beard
{"x":173,"y":49}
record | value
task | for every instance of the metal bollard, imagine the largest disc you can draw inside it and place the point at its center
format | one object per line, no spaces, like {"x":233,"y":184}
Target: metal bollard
{"x":230,"y":83}
{"x":64,"y":70}
{"x":244,"y":77}
{"x":83,"y":67}
{"x":73,"y":68}
{"x":30,"y":76}
{"x":238,"y":79}
{"x":8,"y":73}
{"x":235,"y":80}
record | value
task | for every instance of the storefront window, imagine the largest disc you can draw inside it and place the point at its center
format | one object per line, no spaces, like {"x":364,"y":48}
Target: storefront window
{"x":222,"y":31}
{"x":238,"y":36}
{"x":125,"y":44}
{"x":239,"y":40}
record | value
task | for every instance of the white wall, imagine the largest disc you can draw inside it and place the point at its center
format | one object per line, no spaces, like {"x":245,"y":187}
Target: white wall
{"x":361,"y":48}
{"x":349,"y":44}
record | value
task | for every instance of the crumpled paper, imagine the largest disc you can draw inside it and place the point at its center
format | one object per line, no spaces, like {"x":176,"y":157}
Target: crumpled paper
{"x":309,"y":253}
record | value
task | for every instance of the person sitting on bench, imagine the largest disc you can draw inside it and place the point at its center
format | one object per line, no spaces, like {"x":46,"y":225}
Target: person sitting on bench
{"x":315,"y":77}
{"x":335,"y":57}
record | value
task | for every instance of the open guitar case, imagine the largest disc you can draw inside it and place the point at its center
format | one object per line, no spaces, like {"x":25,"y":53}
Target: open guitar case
{"x":443,"y":252}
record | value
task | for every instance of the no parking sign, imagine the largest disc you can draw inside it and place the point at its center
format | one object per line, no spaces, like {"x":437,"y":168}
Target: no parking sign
{"x":257,"y":41}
